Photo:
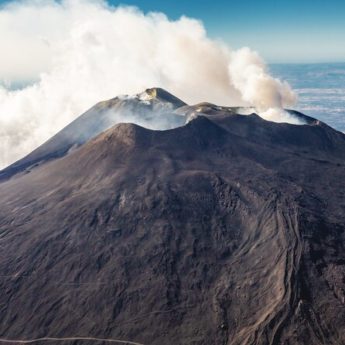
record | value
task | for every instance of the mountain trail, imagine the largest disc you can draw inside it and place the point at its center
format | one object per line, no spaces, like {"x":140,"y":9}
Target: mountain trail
{"x":32,"y":341}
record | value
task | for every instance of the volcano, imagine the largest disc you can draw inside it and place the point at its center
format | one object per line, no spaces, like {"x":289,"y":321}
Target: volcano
{"x":220,"y":229}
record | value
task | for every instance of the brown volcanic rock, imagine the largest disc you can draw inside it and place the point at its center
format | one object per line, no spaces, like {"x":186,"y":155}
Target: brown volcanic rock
{"x":228,"y":230}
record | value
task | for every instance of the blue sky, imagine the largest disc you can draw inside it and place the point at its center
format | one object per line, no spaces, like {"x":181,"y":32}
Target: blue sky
{"x":282,"y":31}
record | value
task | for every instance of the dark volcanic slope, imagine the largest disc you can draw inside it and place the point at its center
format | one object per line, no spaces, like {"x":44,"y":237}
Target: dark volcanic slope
{"x":142,"y":108}
{"x":228,"y":230}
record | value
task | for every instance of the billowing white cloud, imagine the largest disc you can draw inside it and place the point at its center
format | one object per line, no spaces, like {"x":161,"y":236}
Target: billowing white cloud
{"x":249,"y":75}
{"x":75,"y":53}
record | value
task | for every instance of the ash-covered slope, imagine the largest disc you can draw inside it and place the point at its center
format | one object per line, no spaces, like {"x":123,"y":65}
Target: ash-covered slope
{"x":228,"y":230}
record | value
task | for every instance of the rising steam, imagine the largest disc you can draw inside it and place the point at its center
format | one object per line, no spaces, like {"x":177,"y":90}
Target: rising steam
{"x":71,"y":54}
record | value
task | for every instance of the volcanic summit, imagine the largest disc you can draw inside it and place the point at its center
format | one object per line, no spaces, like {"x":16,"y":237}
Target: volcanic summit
{"x":194,"y":226}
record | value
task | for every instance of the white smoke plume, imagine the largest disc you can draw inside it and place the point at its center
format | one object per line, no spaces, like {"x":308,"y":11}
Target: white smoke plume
{"x":68,"y":55}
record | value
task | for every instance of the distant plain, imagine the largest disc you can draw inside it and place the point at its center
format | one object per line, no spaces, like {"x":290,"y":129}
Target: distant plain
{"x":320,"y":89}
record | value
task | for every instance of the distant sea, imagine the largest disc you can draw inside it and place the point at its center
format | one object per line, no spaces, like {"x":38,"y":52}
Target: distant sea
{"x":320,"y":89}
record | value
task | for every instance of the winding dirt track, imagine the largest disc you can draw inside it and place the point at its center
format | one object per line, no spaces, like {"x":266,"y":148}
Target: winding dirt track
{"x":31,"y":341}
